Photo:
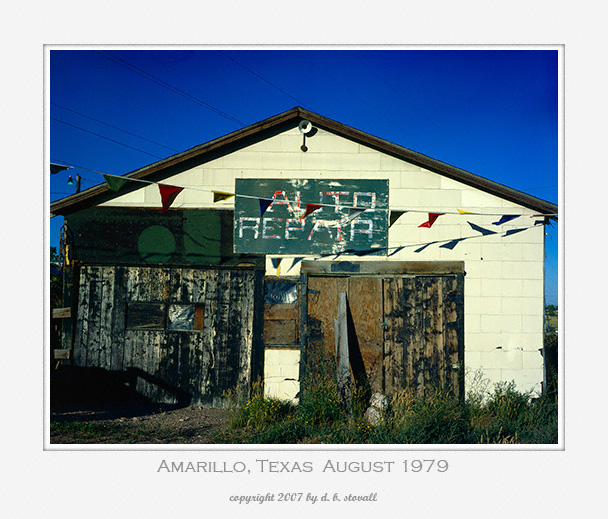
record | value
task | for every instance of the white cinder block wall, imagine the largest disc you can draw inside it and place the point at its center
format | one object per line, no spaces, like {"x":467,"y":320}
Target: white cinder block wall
{"x":504,"y":301}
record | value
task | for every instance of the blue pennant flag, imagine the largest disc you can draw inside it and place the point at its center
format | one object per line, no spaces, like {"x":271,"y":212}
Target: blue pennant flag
{"x":398,"y":249}
{"x":295,"y":262}
{"x":514,"y":231}
{"x":450,"y":245}
{"x":264,"y":204}
{"x":424,"y":246}
{"x":483,"y":231}
{"x":506,"y":218}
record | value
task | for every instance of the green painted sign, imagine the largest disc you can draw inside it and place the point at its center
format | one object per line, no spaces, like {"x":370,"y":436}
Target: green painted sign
{"x":270,"y":216}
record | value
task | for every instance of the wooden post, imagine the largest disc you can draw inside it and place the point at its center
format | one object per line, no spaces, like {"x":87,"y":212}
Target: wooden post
{"x":342,"y":357}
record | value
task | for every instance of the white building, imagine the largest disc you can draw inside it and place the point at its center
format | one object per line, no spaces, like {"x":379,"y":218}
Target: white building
{"x":487,"y":244}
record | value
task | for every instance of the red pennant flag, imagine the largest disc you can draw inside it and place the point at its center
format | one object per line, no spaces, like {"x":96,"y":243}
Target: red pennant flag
{"x":309,"y":209}
{"x":168,"y":194}
{"x":431,"y":220}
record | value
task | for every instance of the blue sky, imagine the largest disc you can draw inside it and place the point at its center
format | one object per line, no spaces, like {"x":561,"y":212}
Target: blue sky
{"x":491,"y":112}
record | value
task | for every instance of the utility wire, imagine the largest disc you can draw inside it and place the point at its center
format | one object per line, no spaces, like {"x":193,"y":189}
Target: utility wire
{"x":164,"y":84}
{"x":114,"y":127}
{"x":106,"y":138}
{"x":265,"y":80}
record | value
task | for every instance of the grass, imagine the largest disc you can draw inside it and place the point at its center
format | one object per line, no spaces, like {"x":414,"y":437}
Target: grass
{"x":500,"y":415}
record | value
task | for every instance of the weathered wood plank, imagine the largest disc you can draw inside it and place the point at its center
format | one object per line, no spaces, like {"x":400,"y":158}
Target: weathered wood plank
{"x":281,"y":311}
{"x":384,"y":267}
{"x":342,"y":348}
{"x":61,"y":354}
{"x":95,"y":299}
{"x":394,"y":335}
{"x":118,"y":320}
{"x":246,"y":302}
{"x":105,"y":325}
{"x":62,"y":313}
{"x":280,"y":331}
{"x":82,"y":321}
{"x":365,"y":305}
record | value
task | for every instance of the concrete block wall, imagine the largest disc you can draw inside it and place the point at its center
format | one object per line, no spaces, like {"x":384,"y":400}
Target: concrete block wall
{"x":504,"y":302}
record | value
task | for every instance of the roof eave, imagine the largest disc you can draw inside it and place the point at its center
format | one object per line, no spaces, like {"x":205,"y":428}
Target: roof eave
{"x":79,"y":200}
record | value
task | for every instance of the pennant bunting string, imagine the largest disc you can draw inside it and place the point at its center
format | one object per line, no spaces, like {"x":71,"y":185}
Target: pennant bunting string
{"x":264,"y":204}
{"x":431,"y":220}
{"x":115,"y":183}
{"x":483,"y":231}
{"x":309,"y":209}
{"x":506,"y":218}
{"x":353,"y":213}
{"x":168,"y":195}
{"x":394,"y":216}
{"x":218,"y":196}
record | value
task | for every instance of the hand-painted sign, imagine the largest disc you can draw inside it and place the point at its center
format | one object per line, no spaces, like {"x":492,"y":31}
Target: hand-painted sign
{"x":278,"y":216}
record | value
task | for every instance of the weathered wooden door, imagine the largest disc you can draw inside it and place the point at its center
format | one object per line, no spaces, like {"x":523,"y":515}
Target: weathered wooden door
{"x":189,"y":334}
{"x":404,"y":331}
{"x":424,"y":334}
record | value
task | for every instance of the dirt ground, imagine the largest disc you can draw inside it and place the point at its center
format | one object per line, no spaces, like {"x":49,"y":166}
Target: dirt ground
{"x":135,"y":422}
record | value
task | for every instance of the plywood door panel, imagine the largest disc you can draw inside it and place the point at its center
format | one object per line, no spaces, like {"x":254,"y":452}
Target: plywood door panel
{"x":366,"y":342}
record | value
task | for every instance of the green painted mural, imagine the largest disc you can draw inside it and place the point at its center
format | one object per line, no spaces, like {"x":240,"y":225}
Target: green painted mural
{"x":281,"y":228}
{"x":138,"y":236}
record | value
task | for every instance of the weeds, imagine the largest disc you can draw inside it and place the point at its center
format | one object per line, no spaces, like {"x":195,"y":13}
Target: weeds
{"x":498,"y":415}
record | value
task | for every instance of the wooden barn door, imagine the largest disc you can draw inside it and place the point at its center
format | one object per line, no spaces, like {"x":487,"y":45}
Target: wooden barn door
{"x":403,"y":332}
{"x":424,"y":336}
{"x":188,"y":334}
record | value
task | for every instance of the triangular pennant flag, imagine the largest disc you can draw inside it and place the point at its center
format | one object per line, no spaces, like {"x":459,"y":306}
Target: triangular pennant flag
{"x":464,"y":212}
{"x":514,"y":231}
{"x":398,"y":249}
{"x":450,"y":245}
{"x":505,"y":218}
{"x":424,"y":246}
{"x":295,"y":262}
{"x":276,"y":264}
{"x":264,"y":204}
{"x":115,"y":183}
{"x":353,"y":213}
{"x":168,"y":194}
{"x":483,"y":231}
{"x":395,"y":215}
{"x":431,"y":220}
{"x":56,"y":168}
{"x":309,"y":209}
{"x":218,"y":196}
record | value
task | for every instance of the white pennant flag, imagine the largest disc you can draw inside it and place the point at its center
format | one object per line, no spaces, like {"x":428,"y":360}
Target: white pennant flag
{"x":353,"y":213}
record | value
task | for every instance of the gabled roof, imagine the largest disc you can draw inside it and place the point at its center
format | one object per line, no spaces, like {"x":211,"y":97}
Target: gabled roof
{"x":280,"y":123}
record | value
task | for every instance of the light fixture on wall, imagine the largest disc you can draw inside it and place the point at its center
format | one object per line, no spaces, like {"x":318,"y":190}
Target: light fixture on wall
{"x":304,"y":127}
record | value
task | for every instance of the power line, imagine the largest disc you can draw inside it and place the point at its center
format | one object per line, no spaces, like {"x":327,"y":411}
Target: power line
{"x":114,"y":127}
{"x":164,"y":84}
{"x":265,"y":80}
{"x":106,"y":138}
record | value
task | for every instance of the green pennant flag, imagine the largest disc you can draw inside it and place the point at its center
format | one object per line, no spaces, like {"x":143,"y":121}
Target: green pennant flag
{"x":394,"y":216}
{"x":115,"y":183}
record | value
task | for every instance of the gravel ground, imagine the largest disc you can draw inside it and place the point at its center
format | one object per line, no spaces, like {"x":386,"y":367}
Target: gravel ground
{"x":135,"y":422}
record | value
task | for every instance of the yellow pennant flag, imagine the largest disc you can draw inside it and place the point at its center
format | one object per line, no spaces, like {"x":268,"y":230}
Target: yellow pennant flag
{"x":218,"y":196}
